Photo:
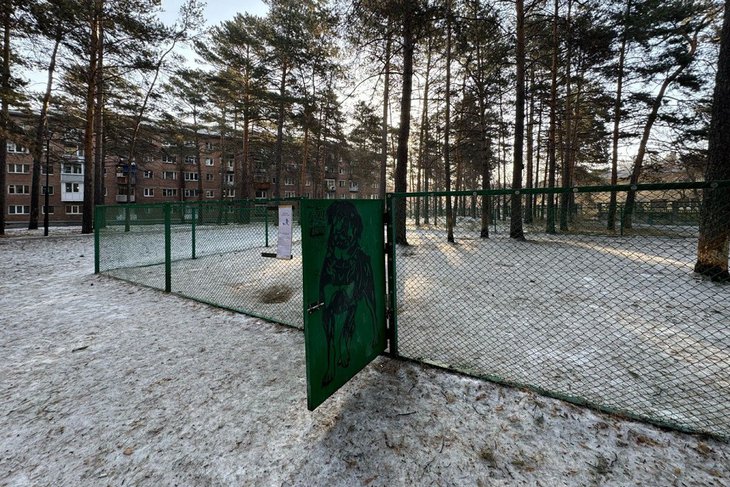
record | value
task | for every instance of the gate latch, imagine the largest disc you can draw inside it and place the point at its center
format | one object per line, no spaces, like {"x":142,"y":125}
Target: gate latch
{"x":314,"y":307}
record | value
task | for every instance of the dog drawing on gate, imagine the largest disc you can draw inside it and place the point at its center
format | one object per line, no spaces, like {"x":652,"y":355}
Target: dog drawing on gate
{"x":346,"y":280}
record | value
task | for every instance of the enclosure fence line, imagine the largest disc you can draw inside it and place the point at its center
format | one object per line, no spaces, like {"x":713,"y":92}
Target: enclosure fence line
{"x":597,"y":305}
{"x":210,"y":251}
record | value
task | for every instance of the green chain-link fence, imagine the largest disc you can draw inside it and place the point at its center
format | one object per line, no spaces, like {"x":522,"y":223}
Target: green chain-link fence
{"x":610,"y":316}
{"x":207,"y":251}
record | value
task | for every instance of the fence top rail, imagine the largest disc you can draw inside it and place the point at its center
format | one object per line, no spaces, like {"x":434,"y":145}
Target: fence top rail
{"x":575,"y":189}
{"x":195,"y":203}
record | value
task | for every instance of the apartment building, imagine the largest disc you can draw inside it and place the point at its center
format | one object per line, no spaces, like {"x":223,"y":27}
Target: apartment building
{"x":164,"y":173}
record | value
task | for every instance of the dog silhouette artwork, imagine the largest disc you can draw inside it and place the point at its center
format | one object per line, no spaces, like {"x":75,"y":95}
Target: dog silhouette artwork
{"x":345,"y":283}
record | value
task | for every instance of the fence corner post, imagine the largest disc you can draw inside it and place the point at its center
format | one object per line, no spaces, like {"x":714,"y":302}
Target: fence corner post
{"x":168,"y":248}
{"x":391,"y":279}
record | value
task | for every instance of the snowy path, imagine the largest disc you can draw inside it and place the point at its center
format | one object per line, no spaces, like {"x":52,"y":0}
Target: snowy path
{"x":106,"y":383}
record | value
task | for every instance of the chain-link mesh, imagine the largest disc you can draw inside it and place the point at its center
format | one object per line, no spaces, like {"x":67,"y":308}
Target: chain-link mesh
{"x":215,"y":254}
{"x":607,"y":315}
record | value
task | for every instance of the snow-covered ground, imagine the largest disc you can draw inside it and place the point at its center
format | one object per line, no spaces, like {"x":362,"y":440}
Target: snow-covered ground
{"x":106,"y":383}
{"x":619,"y":322}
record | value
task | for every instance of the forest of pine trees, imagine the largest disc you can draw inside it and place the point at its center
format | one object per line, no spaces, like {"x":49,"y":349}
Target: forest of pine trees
{"x":432,"y":94}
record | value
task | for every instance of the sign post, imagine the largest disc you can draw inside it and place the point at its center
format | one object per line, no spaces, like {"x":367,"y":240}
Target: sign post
{"x":283,"y":243}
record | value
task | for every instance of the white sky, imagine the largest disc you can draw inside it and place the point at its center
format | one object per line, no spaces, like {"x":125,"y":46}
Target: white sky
{"x":216,"y":11}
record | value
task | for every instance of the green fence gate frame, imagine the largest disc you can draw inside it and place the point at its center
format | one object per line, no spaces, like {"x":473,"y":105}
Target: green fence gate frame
{"x":343,"y":265}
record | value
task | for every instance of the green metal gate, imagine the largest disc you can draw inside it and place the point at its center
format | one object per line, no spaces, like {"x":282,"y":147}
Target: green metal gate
{"x":344,"y":291}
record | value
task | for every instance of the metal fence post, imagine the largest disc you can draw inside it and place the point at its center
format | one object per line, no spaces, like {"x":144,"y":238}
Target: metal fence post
{"x":391,"y":278}
{"x":168,"y":248}
{"x":621,"y":221}
{"x":266,"y":224}
{"x":193,"y":231}
{"x":97,"y":225}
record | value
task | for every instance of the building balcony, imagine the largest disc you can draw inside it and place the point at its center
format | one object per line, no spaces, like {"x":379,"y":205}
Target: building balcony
{"x":72,"y":197}
{"x":72,"y":178}
{"x":354,"y":188}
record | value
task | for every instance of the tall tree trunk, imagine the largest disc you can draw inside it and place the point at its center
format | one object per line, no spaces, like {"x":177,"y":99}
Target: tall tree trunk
{"x":611,"y":225}
{"x":566,"y":175}
{"x":529,"y":155}
{"x":87,"y":216}
{"x":714,"y":240}
{"x":278,"y":156}
{"x":99,"y":121}
{"x":653,"y":114}
{"x":447,"y":131}
{"x":536,"y":184}
{"x":516,"y":230}
{"x":305,"y":150}
{"x":386,"y":96}
{"x":405,"y":125}
{"x":41,"y":132}
{"x":423,"y":136}
{"x":550,"y":224}
{"x":246,"y":173}
{"x":4,"y":107}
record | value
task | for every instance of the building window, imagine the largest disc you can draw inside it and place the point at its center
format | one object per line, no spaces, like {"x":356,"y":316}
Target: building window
{"x":19,"y":168}
{"x":308,"y":182}
{"x":260,"y":193}
{"x":50,"y":169}
{"x":342,"y":183}
{"x":229,"y":164}
{"x":169,"y":192}
{"x":148,"y":174}
{"x":46,"y":189}
{"x":51,"y":210}
{"x":17,"y":148}
{"x":191,"y":193}
{"x":290,"y":194}
{"x":374,"y":185}
{"x":209,"y":193}
{"x":288,"y":181}
{"x":209,"y":146}
{"x":18,"y":210}
{"x":191,"y":176}
{"x":229,"y":178}
{"x":169,"y":175}
{"x":18,"y":189}
{"x":229,"y":193}
{"x":72,"y":187}
{"x":168,"y":159}
{"x":190,"y":160}
{"x":72,"y":169}
{"x":73,"y":209}
{"x":149,"y":191}
{"x":209,"y":161}
{"x":342,"y":170}
{"x":189,"y":143}
{"x":209,"y":177}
